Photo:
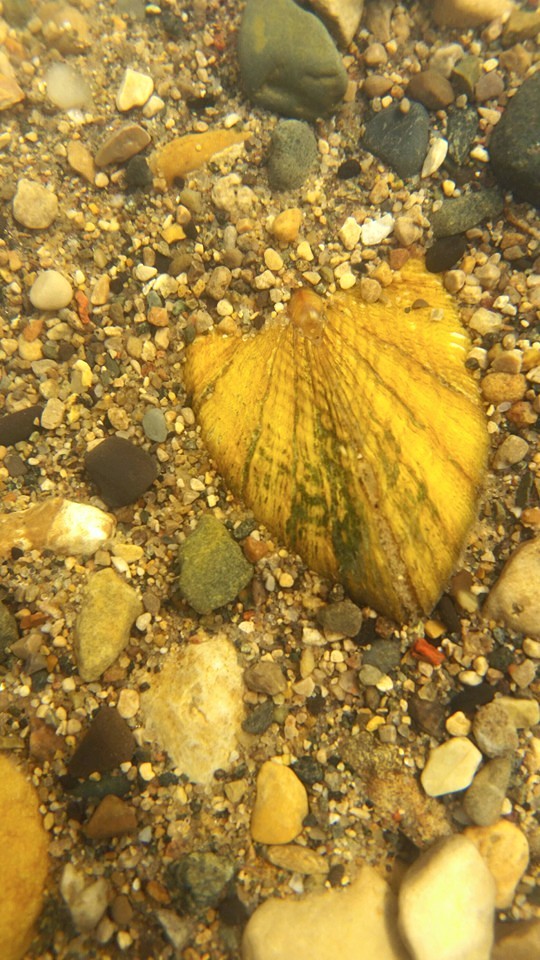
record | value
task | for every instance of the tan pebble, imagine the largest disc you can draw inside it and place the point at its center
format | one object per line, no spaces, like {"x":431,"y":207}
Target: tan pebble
{"x":280,"y":805}
{"x":122,"y":144}
{"x":450,"y":767}
{"x":10,"y":92}
{"x":80,"y":159}
{"x":506,"y":852}
{"x":29,"y":350}
{"x":130,"y":552}
{"x":304,"y":251}
{"x":458,"y":725}
{"x":34,"y":206}
{"x":297,"y":859}
{"x":531,"y":648}
{"x":53,"y":414}
{"x":469,"y":13}
{"x":347,"y":281}
{"x":523,"y":713}
{"x":370,"y":290}
{"x":500,"y":387}
{"x":100,"y":291}
{"x":286,"y":580}
{"x":406,"y":231}
{"x":273,"y":260}
{"x":349,"y":233}
{"x":112,"y":818}
{"x":158,"y":317}
{"x":135,"y":89}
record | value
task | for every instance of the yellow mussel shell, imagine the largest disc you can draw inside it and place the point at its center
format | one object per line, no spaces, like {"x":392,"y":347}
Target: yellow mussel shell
{"x":355,"y":433}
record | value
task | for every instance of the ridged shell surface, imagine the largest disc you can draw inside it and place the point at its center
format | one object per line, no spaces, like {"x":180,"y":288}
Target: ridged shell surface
{"x":354,"y":432}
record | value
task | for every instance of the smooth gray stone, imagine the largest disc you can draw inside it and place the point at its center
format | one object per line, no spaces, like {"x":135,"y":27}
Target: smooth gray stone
{"x":514,"y":147}
{"x":458,"y":214}
{"x":399,"y":139}
{"x":288,"y":60}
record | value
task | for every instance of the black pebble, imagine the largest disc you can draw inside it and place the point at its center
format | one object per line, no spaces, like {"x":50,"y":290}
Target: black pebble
{"x":107,"y":743}
{"x":138,"y":173}
{"x":468,"y":700}
{"x":349,"y":168}
{"x":18,"y":426}
{"x":445,"y":253}
{"x":121,"y":471}
{"x":308,"y":770}
{"x":260,"y":718}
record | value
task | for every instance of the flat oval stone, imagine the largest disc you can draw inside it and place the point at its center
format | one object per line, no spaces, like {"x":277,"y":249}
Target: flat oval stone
{"x":155,"y":425}
{"x":288,"y":60}
{"x":458,"y":214}
{"x":122,"y":144}
{"x":18,"y":426}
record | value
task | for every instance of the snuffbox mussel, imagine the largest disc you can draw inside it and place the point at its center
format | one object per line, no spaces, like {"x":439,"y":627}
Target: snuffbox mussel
{"x":355,"y":432}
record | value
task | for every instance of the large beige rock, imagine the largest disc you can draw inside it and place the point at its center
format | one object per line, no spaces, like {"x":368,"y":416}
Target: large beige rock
{"x":194,"y":708}
{"x":23,"y":863}
{"x":280,"y":804}
{"x":469,"y":13}
{"x":506,"y":852}
{"x":446,"y":903}
{"x":358,"y":922}
{"x":515,"y":598}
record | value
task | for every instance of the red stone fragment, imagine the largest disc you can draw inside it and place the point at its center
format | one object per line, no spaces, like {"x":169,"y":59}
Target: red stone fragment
{"x":423,"y":650}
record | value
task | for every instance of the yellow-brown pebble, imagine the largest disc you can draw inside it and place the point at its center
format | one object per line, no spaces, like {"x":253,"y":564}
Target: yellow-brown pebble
{"x":501,"y":387}
{"x":286,"y":226}
{"x":280,"y":805}
{"x":506,"y":851}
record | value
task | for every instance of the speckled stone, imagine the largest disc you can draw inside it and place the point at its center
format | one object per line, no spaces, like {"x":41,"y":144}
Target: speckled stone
{"x":515,"y":598}
{"x":494,"y":731}
{"x":292,"y":154}
{"x":109,"y":608}
{"x":202,"y":878}
{"x":213,"y":568}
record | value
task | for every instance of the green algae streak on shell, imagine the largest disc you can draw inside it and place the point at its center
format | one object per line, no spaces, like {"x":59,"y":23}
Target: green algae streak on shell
{"x":355,"y":433}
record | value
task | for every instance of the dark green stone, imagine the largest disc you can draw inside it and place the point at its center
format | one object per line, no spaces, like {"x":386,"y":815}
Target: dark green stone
{"x":288,"y":60}
{"x":458,"y":214}
{"x":213,"y":568}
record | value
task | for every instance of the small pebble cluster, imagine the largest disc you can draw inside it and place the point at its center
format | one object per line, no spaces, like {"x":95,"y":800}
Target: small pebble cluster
{"x":207,"y":751}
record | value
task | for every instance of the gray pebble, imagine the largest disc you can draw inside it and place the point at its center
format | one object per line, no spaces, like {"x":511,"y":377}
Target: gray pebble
{"x":458,"y":214}
{"x":485,"y":797}
{"x":462,"y":127}
{"x":341,"y":617}
{"x":201,"y":878}
{"x":494,"y":731}
{"x":265,"y":677}
{"x":9,"y":630}
{"x":398,"y":138}
{"x":155,"y":425}
{"x":293,"y":152}
{"x":384,"y":654}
